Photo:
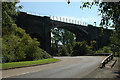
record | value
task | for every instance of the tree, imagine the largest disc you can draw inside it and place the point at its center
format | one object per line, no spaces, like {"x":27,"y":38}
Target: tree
{"x":56,"y":38}
{"x":80,"y":48}
{"x":9,"y":13}
{"x":68,"y":37}
{"x":110,"y":12}
{"x":17,"y":45}
{"x":93,"y":45}
{"x":115,"y":41}
{"x":70,"y":49}
{"x":63,"y":51}
{"x":61,"y":40}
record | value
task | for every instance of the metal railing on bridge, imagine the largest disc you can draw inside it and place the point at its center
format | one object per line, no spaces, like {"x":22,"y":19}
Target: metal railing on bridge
{"x":68,"y":20}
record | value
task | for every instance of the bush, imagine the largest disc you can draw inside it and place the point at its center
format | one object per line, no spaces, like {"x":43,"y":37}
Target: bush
{"x":19,"y":46}
{"x":69,"y":49}
{"x":81,"y":48}
{"x":62,"y":51}
{"x":54,"y":50}
{"x":105,"y":49}
{"x":100,"y":51}
{"x":12,"y":48}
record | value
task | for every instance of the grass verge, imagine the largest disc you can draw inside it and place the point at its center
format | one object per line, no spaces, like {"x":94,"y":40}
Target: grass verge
{"x":28,"y":63}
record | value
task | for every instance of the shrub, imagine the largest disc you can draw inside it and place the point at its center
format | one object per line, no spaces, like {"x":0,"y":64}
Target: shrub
{"x":12,"y":48}
{"x":54,"y":50}
{"x":105,"y":49}
{"x":69,"y":49}
{"x":19,"y":46}
{"x":93,"y":45}
{"x":81,"y":48}
{"x":63,"y":51}
{"x":100,"y":51}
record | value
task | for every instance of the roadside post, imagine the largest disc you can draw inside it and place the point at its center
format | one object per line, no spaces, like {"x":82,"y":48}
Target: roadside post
{"x":3,"y":60}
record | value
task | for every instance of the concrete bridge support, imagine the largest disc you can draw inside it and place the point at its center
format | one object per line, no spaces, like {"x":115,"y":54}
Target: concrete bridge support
{"x":38,"y":27}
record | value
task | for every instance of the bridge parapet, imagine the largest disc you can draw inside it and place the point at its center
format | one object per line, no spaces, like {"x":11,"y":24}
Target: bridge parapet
{"x":56,"y":18}
{"x":68,"y":20}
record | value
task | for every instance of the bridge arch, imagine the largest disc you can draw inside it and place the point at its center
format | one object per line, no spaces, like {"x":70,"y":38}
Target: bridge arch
{"x":80,"y":33}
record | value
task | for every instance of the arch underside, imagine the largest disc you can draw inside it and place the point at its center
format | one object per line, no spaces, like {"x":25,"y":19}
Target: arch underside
{"x":79,"y":33}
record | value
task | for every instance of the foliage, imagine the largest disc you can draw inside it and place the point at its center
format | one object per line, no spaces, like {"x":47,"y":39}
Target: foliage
{"x":68,"y":37}
{"x":93,"y":45}
{"x":115,"y":41}
{"x":62,"y":42}
{"x":63,"y":51}
{"x":81,"y":48}
{"x":18,"y":46}
{"x":100,"y":51}
{"x":9,"y":13}
{"x":62,"y":36}
{"x":54,"y":49}
{"x":69,"y":49}
{"x":68,"y":46}
{"x":105,"y":49}
{"x":56,"y":38}
{"x":115,"y":38}
{"x":110,"y":12}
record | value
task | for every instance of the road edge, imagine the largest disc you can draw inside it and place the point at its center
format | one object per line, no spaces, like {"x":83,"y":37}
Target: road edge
{"x":30,"y":65}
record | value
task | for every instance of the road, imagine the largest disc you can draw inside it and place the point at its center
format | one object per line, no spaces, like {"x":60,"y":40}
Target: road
{"x":68,"y":67}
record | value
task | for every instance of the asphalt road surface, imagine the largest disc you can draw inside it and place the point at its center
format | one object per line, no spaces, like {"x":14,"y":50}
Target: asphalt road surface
{"x":68,"y":67}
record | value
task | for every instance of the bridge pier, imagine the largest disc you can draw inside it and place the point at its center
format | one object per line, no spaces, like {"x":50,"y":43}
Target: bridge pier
{"x":47,"y":34}
{"x":38,"y":27}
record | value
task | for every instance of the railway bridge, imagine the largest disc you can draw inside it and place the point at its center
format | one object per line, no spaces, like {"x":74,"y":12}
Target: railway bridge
{"x":40,"y":28}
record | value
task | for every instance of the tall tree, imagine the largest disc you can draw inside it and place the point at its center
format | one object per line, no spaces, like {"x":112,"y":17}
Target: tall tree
{"x":61,"y":40}
{"x":17,"y":45}
{"x":108,"y":10}
{"x":9,"y":13}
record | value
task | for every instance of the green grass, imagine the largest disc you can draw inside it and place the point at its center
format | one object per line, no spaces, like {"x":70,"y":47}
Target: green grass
{"x":27,"y":63}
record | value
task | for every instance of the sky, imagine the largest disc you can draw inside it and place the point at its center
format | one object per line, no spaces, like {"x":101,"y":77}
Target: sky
{"x":62,"y":9}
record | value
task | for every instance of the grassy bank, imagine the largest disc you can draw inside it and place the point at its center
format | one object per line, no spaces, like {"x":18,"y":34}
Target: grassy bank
{"x":28,"y":63}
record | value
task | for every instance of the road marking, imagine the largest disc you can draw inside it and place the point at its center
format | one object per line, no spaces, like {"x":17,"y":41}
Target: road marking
{"x":21,"y":74}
